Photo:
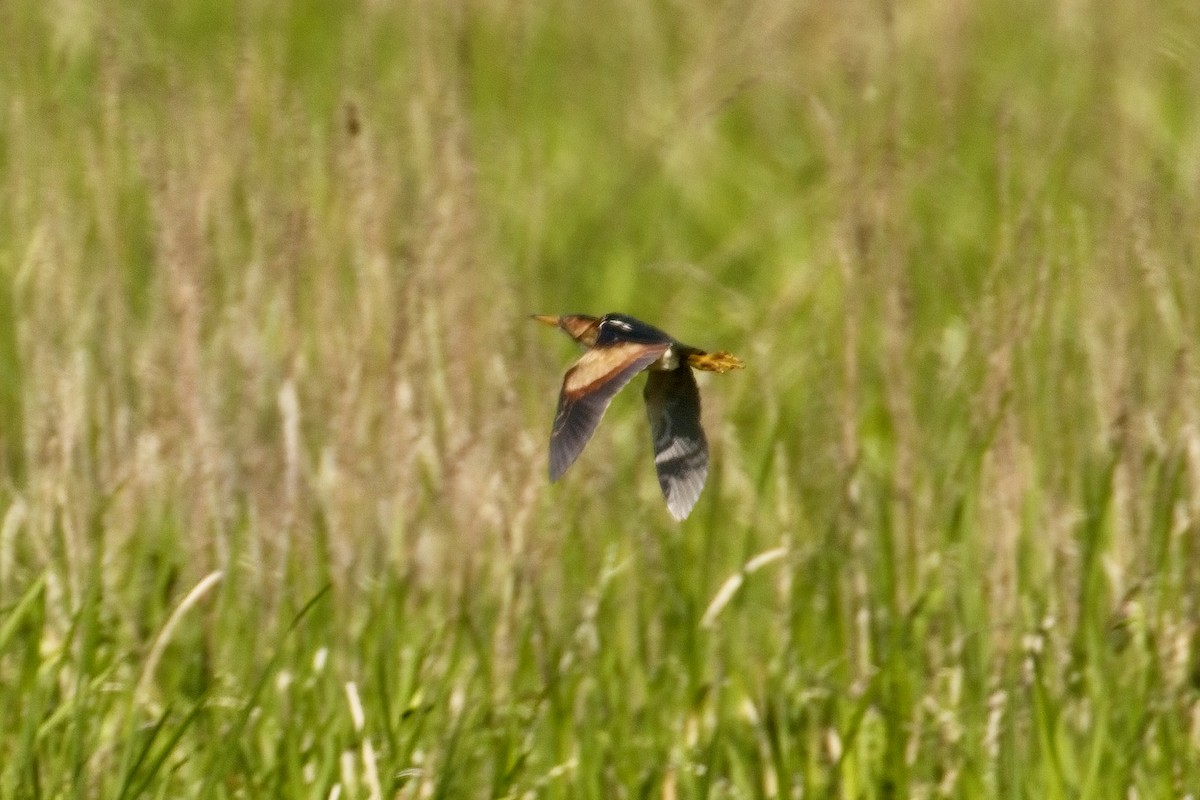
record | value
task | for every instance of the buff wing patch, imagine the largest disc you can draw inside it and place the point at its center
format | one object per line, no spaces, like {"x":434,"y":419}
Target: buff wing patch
{"x":587,"y":391}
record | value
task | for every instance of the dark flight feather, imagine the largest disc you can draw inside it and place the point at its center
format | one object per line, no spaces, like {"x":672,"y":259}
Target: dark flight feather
{"x":680,"y":448}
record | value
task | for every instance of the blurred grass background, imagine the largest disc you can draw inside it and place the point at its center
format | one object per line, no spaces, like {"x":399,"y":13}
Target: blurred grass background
{"x":274,"y":519}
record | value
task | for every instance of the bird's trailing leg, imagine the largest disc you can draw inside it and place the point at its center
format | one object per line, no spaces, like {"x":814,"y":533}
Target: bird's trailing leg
{"x":714,"y":362}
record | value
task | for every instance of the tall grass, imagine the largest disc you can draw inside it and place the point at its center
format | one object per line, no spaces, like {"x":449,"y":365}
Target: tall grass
{"x":274,"y":518}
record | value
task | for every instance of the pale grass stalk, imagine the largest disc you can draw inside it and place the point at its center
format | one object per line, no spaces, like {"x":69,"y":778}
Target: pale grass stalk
{"x":561,"y":770}
{"x":289,"y":411}
{"x":198,"y":591}
{"x":370,"y":762}
{"x":770,"y":781}
{"x":349,"y":776}
{"x":669,"y":791}
{"x":749,"y":711}
{"x":734,"y":582}
{"x":833,"y":745}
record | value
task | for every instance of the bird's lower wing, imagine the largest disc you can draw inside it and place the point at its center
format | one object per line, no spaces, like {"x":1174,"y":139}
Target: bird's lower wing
{"x":680,"y":449}
{"x":588,"y":388}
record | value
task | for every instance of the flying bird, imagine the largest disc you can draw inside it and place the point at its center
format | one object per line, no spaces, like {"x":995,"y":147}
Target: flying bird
{"x":618,"y":348}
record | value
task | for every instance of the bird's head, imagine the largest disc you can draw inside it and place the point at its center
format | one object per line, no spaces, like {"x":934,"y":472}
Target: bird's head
{"x":580,"y":327}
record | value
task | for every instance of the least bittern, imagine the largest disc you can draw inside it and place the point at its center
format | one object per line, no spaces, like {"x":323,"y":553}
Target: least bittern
{"x":619,"y":347}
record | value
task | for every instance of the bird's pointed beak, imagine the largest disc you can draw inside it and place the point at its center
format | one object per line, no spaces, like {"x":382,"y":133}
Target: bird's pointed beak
{"x":545,"y":319}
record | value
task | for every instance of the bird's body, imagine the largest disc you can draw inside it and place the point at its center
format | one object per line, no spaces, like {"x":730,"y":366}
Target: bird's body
{"x":619,"y":347}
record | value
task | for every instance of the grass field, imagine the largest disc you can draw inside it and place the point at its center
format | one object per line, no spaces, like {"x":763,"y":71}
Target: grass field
{"x":274,"y":514}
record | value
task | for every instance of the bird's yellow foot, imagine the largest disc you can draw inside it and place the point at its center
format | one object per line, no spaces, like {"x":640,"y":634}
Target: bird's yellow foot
{"x":715,"y":362}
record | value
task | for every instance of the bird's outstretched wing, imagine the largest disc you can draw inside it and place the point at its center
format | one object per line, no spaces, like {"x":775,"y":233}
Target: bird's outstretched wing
{"x":587,"y":390}
{"x":680,"y":449}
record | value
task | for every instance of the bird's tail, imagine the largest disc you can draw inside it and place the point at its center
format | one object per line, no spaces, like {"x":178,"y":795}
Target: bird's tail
{"x":714,"y":362}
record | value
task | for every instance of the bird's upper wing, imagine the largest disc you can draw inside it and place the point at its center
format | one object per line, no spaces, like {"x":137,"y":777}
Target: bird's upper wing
{"x":680,"y":449}
{"x":587,"y":390}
